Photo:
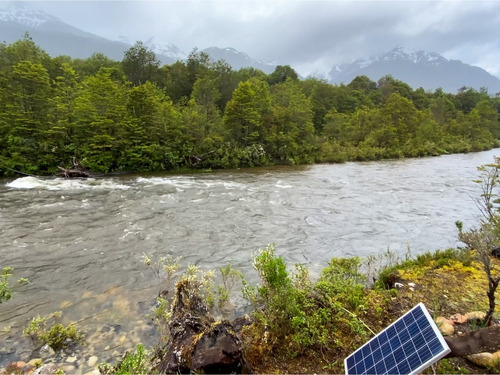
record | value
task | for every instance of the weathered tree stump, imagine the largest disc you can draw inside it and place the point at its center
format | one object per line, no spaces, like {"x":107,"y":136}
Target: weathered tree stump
{"x":218,"y":351}
{"x":197,"y":343}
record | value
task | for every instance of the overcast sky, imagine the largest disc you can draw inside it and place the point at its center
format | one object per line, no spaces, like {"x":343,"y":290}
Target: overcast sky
{"x":309,"y":35}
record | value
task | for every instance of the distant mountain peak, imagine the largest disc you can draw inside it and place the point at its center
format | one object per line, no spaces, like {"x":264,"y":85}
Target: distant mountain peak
{"x":25,"y":15}
{"x":238,"y":59}
{"x":424,"y":69}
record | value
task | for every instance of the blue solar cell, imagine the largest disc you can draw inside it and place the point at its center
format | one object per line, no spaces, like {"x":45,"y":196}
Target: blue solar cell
{"x":380,"y":367}
{"x":386,"y":349}
{"x":365,"y":350}
{"x":418,"y":340}
{"x":395,"y":343}
{"x":435,"y":346}
{"x":404,"y":336}
{"x":400,"y":326}
{"x":391,"y":331}
{"x":350,"y":362}
{"x":399,"y":354}
{"x":422,"y":323}
{"x":383,"y":337}
{"x":403,"y":367}
{"x":409,"y":349}
{"x":414,"y":361}
{"x":413,"y":329}
{"x":389,"y":361}
{"x":360,"y":367}
{"x":407,"y":346}
{"x":369,"y":361}
{"x":424,"y":353}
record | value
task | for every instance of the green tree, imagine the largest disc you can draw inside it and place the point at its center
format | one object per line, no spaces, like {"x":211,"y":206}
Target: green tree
{"x":281,"y":74}
{"x":247,"y":113}
{"x":140,"y":64}
{"x":290,"y":136}
{"x":100,"y":120}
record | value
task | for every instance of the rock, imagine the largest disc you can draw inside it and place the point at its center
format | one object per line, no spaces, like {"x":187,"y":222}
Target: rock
{"x":475,"y":315}
{"x":445,"y":326}
{"x":47,"y":369}
{"x":458,"y":318}
{"x":496,"y":251}
{"x":35,"y":362}
{"x":46,"y":351}
{"x":92,"y":361}
{"x":71,"y":360}
{"x":482,"y":359}
{"x":218,"y":351}
{"x":69,"y":369}
{"x":20,"y":365}
{"x":122,"y":340}
{"x":442,"y":319}
{"x":241,"y":322}
{"x":446,"y":329}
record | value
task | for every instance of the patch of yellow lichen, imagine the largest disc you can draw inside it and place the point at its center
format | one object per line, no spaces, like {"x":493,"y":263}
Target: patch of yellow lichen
{"x":448,"y":289}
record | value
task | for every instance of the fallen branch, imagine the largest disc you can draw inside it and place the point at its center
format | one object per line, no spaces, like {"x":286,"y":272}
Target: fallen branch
{"x":480,"y":341}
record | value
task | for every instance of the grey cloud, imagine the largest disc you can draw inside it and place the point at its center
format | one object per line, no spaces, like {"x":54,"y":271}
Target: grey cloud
{"x":300,"y":32}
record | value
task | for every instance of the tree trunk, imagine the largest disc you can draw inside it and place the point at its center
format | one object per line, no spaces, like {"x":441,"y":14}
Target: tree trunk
{"x":483,"y":340}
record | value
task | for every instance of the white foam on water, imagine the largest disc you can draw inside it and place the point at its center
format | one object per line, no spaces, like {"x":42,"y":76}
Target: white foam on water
{"x":61,"y":184}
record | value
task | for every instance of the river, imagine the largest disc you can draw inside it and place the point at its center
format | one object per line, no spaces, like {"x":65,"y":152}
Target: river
{"x":80,"y":242}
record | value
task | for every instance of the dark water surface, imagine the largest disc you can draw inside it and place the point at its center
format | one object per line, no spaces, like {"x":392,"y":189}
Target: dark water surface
{"x":80,"y":242}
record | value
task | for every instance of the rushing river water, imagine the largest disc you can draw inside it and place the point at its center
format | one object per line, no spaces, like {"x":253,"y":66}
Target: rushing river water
{"x":80,"y":242}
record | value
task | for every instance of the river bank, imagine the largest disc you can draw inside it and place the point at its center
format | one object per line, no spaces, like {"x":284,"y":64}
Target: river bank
{"x":448,"y":282}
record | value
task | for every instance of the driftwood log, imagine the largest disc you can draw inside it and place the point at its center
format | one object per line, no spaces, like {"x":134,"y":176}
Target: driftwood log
{"x":480,"y":341}
{"x":197,"y":159}
{"x":78,"y":171}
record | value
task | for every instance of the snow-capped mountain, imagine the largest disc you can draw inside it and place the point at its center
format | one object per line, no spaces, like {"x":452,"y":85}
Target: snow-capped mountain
{"x":19,"y":13}
{"x":238,"y":59}
{"x":428,"y":70}
{"x":52,"y":34}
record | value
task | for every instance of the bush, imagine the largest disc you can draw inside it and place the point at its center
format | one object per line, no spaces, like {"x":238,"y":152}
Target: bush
{"x":130,"y":364}
{"x":5,"y":288}
{"x":57,"y":336}
{"x":299,"y":316}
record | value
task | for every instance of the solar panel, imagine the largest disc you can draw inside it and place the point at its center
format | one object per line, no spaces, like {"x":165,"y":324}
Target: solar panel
{"x":407,"y":346}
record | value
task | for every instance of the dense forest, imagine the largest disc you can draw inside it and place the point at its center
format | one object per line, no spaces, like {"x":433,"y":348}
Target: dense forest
{"x":136,"y":115}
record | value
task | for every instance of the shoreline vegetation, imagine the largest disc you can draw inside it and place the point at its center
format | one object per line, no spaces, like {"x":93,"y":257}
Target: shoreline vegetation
{"x":137,"y":116}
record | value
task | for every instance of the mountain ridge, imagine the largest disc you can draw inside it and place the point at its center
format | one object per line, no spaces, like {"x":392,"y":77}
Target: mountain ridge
{"x":429,"y":70}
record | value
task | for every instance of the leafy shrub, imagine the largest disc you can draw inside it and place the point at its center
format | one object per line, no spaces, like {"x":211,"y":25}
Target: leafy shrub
{"x":299,"y":316}
{"x":5,"y":288}
{"x":57,"y":336}
{"x":130,"y":364}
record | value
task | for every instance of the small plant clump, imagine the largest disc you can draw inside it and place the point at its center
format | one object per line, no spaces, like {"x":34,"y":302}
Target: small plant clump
{"x":130,"y":364}
{"x":5,"y":287}
{"x":47,"y":331}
